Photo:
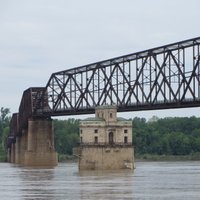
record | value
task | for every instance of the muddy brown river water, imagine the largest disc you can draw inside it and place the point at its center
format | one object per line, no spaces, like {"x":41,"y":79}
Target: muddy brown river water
{"x":149,"y":181}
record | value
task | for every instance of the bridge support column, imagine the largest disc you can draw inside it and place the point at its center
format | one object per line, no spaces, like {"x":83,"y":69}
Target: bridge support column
{"x":17,"y":150}
{"x":12,"y":153}
{"x":21,"y":146}
{"x":40,"y":144}
{"x":9,"y":155}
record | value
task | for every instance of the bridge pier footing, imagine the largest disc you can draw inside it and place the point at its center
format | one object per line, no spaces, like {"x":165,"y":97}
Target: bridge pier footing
{"x":22,"y":146}
{"x":17,"y":152}
{"x":12,"y":154}
{"x":40,"y":144}
{"x":35,"y":145}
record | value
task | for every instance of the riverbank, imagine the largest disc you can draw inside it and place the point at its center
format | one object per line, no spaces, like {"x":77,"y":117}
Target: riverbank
{"x":67,"y":158}
{"x":150,"y":157}
{"x":143,"y":157}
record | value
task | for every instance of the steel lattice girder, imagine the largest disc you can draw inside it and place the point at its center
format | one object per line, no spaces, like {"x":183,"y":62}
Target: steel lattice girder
{"x":158,"y":78}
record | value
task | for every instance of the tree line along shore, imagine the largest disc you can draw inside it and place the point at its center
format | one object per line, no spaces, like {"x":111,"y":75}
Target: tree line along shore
{"x":159,"y":139}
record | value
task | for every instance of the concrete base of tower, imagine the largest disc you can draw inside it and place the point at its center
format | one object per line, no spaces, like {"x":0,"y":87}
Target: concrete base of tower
{"x":106,"y":158}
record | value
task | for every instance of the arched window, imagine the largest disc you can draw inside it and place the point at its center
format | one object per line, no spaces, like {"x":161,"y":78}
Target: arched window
{"x":111,"y":138}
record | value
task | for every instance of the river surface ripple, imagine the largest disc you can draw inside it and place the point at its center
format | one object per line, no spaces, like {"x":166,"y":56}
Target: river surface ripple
{"x":149,"y":181}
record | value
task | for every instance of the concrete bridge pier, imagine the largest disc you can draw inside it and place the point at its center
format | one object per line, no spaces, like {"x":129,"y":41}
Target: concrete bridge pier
{"x":8,"y":155}
{"x":12,"y":153}
{"x":40,"y":144}
{"x":17,"y":150}
{"x":22,"y":147}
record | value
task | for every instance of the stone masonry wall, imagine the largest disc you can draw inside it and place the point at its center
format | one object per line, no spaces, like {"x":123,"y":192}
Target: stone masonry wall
{"x":106,"y":158}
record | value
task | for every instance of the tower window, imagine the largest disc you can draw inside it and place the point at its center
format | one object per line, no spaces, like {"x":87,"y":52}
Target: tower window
{"x":95,"y":139}
{"x":125,"y":131}
{"x":111,"y":115}
{"x":125,"y":139}
{"x":81,"y":140}
{"x":95,"y":130}
{"x":111,"y":138}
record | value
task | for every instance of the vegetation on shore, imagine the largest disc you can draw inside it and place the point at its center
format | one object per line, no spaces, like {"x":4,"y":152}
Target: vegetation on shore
{"x":4,"y":131}
{"x":156,"y":157}
{"x":174,"y":138}
{"x":169,"y":136}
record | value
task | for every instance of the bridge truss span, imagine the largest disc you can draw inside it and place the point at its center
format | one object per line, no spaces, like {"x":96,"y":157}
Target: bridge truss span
{"x":158,"y":78}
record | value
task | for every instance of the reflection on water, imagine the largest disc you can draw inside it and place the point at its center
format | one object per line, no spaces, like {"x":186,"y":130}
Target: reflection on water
{"x":37,"y":183}
{"x":106,"y":184}
{"x":150,"y":180}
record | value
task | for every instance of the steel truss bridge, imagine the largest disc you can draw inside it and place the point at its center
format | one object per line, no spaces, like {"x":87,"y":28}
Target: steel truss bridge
{"x":159,"y":78}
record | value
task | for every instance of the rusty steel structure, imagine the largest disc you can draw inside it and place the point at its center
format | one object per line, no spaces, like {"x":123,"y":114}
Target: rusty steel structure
{"x":159,"y":78}
{"x":28,"y":104}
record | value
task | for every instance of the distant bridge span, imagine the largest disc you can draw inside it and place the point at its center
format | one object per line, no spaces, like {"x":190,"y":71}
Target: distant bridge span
{"x":159,"y":78}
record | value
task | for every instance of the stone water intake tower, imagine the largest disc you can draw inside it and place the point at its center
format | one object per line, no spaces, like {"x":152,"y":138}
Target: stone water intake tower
{"x":106,"y":141}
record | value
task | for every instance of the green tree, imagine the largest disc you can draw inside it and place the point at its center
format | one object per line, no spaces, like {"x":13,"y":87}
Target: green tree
{"x":172,"y":136}
{"x":4,"y":130}
{"x":66,"y":135}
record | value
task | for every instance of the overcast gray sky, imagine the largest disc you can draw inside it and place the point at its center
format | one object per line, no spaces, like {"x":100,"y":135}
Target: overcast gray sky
{"x":39,"y":37}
